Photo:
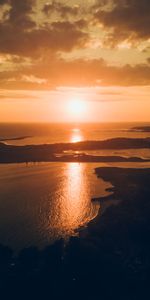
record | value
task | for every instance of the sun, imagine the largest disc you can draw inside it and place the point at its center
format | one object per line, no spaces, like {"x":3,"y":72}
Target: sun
{"x":77,"y":107}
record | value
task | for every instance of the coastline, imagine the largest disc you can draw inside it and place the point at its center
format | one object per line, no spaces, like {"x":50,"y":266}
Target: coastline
{"x":129,"y":186}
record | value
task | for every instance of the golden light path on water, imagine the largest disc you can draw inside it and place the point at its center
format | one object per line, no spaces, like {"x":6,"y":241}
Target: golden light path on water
{"x":73,"y":206}
{"x":49,"y":201}
{"x":76,"y":135}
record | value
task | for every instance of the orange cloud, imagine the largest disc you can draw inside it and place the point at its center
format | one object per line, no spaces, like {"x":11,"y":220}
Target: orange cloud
{"x":79,"y":72}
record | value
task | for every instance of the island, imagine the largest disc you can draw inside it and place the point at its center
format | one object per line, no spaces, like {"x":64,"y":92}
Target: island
{"x":141,"y":129}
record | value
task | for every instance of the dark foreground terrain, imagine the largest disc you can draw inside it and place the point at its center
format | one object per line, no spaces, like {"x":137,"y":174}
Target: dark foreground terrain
{"x":110,"y":260}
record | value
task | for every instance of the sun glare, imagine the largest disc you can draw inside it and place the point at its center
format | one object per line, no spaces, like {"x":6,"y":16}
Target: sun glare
{"x":77,"y":107}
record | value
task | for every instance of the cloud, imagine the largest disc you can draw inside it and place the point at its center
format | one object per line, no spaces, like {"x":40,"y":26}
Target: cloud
{"x":58,"y":72}
{"x":59,"y":36}
{"x":32,"y":42}
{"x":148,"y":60}
{"x":2,"y":2}
{"x":19,"y":14}
{"x":98,"y":72}
{"x":62,"y":9}
{"x":127,"y":19}
{"x":11,"y":95}
{"x":21,"y":35}
{"x":33,"y":79}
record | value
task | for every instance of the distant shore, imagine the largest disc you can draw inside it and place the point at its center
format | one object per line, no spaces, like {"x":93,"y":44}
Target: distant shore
{"x":141,"y":129}
{"x":55,"y":152}
{"x":15,"y":138}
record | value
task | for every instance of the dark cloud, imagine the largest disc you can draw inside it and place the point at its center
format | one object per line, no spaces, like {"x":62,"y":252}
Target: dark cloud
{"x":2,"y":2}
{"x":19,"y":14}
{"x":61,"y":9}
{"x":59,"y":36}
{"x":20,"y":35}
{"x":148,"y":60}
{"x":128,"y":19}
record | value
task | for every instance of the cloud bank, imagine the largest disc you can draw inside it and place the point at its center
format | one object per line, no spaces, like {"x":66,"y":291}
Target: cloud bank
{"x":34,"y":36}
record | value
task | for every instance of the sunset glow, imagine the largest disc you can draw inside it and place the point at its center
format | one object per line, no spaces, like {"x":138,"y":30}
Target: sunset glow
{"x":77,"y":107}
{"x":62,"y":61}
{"x":74,"y":149}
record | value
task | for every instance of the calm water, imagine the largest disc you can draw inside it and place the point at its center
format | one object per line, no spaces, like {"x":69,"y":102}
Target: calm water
{"x":43,"y":202}
{"x":56,"y":133}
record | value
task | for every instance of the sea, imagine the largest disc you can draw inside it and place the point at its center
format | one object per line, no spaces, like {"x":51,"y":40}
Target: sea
{"x":43,"y":202}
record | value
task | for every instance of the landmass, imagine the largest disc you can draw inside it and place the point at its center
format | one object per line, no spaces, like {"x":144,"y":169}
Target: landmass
{"x":141,"y":128}
{"x":110,"y":259}
{"x":15,"y":138}
{"x":55,"y":152}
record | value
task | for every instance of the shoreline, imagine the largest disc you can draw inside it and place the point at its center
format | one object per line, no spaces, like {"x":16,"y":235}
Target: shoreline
{"x":127,"y":184}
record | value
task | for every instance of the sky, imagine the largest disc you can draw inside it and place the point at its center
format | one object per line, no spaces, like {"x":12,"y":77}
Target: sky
{"x":66,"y":61}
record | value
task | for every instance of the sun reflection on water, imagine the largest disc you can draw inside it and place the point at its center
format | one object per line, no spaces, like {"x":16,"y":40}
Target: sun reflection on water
{"x":76,"y":190}
{"x":75,"y":207}
{"x":76,"y":135}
